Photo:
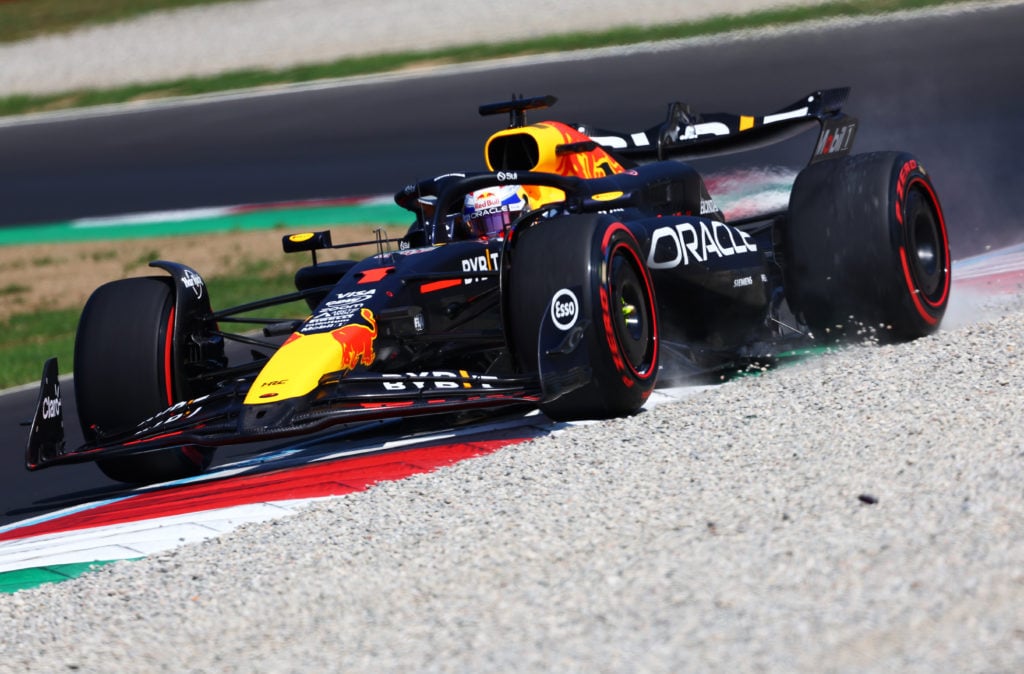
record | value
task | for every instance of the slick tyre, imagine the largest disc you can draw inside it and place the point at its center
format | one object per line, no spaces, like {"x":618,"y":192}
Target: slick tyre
{"x":123,"y":375}
{"x":602,"y":259}
{"x":865,"y":249}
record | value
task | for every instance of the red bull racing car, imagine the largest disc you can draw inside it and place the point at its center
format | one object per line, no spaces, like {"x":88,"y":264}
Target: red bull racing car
{"x":566,"y":277}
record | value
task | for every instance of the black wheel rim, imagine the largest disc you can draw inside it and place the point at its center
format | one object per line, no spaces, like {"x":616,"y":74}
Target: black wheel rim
{"x":925,"y":246}
{"x":631,"y":312}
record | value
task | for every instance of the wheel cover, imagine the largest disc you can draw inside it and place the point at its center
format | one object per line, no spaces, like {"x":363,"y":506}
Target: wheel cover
{"x":927,"y":250}
{"x":631,"y":310}
{"x":924,"y":247}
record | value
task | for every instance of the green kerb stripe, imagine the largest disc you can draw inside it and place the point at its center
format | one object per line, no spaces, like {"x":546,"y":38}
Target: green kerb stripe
{"x":285,"y":219}
{"x":25,"y":579}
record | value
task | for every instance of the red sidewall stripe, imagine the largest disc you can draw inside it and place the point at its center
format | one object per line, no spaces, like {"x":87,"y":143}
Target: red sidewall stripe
{"x":915,"y":295}
{"x":613,"y":342}
{"x":169,"y":358}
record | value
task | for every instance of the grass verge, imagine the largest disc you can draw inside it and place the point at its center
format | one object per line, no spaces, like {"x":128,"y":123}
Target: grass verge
{"x":43,"y":287}
{"x":14,"y":105}
{"x":26,"y":340}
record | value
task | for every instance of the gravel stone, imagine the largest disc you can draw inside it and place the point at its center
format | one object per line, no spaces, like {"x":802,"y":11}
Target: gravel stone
{"x":727,"y":531}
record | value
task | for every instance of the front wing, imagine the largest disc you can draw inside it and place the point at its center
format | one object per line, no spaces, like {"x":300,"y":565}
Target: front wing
{"x":222,"y":418}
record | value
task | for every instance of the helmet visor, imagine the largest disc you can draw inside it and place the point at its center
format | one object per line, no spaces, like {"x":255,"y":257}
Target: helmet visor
{"x":489,"y":224}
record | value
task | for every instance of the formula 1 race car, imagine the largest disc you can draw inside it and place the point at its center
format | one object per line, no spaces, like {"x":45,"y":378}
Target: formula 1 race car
{"x":581,"y":264}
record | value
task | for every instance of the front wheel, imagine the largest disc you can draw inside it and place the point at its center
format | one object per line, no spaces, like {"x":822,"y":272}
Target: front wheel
{"x":124,"y":373}
{"x":585,"y":276}
{"x":865,"y":247}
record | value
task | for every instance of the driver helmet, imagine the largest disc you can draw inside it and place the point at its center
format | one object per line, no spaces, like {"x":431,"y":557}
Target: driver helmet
{"x":489,"y":211}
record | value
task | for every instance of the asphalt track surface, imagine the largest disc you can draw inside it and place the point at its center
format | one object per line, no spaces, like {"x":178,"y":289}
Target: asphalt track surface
{"x":945,"y":88}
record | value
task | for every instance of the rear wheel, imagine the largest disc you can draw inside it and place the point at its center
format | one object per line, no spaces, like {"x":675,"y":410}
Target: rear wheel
{"x":866,"y":249}
{"x":587,"y":271}
{"x":124,"y":373}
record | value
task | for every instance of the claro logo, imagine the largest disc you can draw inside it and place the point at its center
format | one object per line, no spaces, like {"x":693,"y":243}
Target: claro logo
{"x":565,"y":309}
{"x":51,"y":408}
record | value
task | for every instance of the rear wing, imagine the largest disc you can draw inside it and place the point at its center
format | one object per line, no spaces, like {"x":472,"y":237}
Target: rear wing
{"x":687,"y":134}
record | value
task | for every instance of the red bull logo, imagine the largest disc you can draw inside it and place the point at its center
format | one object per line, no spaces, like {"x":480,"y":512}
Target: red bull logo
{"x":485,"y":199}
{"x":357,"y":341}
{"x":548,"y":137}
{"x":296,"y":368}
{"x":594,"y":163}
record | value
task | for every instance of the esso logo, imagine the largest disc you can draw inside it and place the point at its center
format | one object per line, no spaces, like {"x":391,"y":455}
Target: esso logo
{"x":565,"y":309}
